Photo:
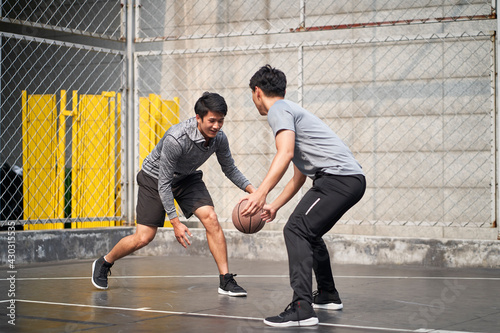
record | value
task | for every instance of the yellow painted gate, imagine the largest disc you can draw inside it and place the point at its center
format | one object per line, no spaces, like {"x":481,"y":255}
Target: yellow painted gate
{"x":95,"y":169}
{"x":95,"y":156}
{"x":41,"y":199}
{"x":155,"y":118}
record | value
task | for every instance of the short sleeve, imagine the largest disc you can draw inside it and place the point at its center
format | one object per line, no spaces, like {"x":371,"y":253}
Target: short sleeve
{"x":279,"y":118}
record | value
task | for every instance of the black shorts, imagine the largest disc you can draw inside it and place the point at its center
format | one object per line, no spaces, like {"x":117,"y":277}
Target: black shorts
{"x":190,"y":194}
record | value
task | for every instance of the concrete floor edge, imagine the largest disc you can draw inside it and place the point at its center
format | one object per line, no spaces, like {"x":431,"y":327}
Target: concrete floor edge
{"x":69,"y":244}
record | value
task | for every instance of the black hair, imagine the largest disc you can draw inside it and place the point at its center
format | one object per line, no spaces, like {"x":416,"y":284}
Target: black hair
{"x":270,"y":80}
{"x":210,"y":102}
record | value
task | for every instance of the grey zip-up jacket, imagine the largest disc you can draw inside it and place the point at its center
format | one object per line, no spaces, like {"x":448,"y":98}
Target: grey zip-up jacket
{"x":181,"y":152}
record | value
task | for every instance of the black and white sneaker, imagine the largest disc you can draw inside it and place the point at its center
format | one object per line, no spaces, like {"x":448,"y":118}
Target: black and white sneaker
{"x":228,"y":286}
{"x":100,"y":271}
{"x":296,"y":314}
{"x":327,"y":300}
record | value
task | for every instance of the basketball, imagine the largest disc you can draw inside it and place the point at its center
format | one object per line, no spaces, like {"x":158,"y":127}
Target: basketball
{"x":246,"y":224}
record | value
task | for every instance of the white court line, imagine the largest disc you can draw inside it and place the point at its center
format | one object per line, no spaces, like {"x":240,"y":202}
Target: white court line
{"x":371,"y":328}
{"x":415,"y":303}
{"x":137,"y":309}
{"x":261,"y":276}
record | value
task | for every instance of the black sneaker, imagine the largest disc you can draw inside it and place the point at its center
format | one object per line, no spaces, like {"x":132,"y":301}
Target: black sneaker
{"x":327,"y":300}
{"x":296,"y":314}
{"x":100,"y":271}
{"x":228,"y":286}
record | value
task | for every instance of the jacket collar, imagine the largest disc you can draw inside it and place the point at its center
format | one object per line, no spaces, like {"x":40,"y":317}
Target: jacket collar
{"x":192,"y":131}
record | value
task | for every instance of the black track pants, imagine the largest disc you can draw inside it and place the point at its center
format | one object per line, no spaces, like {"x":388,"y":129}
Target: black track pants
{"x":317,"y":212}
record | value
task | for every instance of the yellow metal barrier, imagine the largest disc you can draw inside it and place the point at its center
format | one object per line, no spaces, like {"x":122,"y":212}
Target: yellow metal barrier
{"x":95,"y":169}
{"x":40,"y":158}
{"x":155,"y":118}
{"x":118,"y":202}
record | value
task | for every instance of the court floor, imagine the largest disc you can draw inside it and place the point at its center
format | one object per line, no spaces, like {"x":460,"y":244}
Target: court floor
{"x":179,"y":294}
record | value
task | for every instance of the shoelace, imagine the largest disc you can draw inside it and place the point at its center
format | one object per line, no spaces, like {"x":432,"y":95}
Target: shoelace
{"x":230,"y":280}
{"x":291,"y":308}
{"x":105,"y":271}
{"x":316,"y":293}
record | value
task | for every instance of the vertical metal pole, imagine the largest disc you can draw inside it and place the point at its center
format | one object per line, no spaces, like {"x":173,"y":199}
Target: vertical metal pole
{"x":300,"y":79}
{"x":123,"y":19}
{"x":60,"y":159}
{"x":136,"y":25}
{"x":136,"y":127}
{"x":493,"y":126}
{"x":25,"y":114}
{"x":300,"y":93}
{"x":123,"y":101}
{"x":130,"y":153}
{"x":302,"y":14}
{"x":496,"y":62}
{"x":1,"y":148}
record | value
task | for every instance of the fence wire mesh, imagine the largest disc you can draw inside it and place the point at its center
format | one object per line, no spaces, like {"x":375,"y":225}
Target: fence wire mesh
{"x":409,"y":85}
{"x":95,"y":17}
{"x":41,"y":136}
{"x":159,"y":20}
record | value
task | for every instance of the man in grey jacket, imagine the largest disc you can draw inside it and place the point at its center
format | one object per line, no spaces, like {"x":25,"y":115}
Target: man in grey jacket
{"x":171,"y":172}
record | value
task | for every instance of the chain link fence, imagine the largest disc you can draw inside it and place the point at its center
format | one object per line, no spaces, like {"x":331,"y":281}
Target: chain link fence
{"x":409,"y":85}
{"x":61,"y":142}
{"x":102,"y":19}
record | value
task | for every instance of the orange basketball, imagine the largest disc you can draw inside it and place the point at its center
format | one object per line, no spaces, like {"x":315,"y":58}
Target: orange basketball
{"x":247,"y":224}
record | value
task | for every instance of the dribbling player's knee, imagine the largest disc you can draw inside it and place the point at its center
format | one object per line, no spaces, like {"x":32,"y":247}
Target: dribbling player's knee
{"x":211,"y":222}
{"x":214,"y":228}
{"x":143,"y":240}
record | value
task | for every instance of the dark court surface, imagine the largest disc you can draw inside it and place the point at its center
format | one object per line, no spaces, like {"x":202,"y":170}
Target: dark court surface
{"x":179,"y":294}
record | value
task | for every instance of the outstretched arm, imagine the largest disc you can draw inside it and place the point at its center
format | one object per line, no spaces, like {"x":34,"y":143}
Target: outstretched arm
{"x":250,"y":189}
{"x":181,"y":232}
{"x":289,"y":191}
{"x":285,"y":144}
{"x":226,"y":162}
{"x":170,"y":153}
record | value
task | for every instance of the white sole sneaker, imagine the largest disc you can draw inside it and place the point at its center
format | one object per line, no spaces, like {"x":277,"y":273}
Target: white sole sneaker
{"x":328,"y":306}
{"x":92,"y":278}
{"x":231,"y":293}
{"x":306,"y":322}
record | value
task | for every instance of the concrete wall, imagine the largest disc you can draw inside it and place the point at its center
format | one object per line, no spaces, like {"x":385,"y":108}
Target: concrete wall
{"x":56,"y":245}
{"x":416,"y":113}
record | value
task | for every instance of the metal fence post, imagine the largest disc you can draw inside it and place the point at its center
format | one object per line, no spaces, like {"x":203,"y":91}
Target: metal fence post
{"x":130,"y":90}
{"x":496,"y":126}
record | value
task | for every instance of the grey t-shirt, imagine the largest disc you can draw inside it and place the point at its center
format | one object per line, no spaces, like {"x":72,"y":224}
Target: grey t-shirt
{"x":180,"y":152}
{"x":317,"y":147}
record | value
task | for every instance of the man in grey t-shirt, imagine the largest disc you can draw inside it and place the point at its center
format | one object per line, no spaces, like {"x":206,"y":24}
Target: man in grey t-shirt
{"x":171,"y":172}
{"x":338,"y":184}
